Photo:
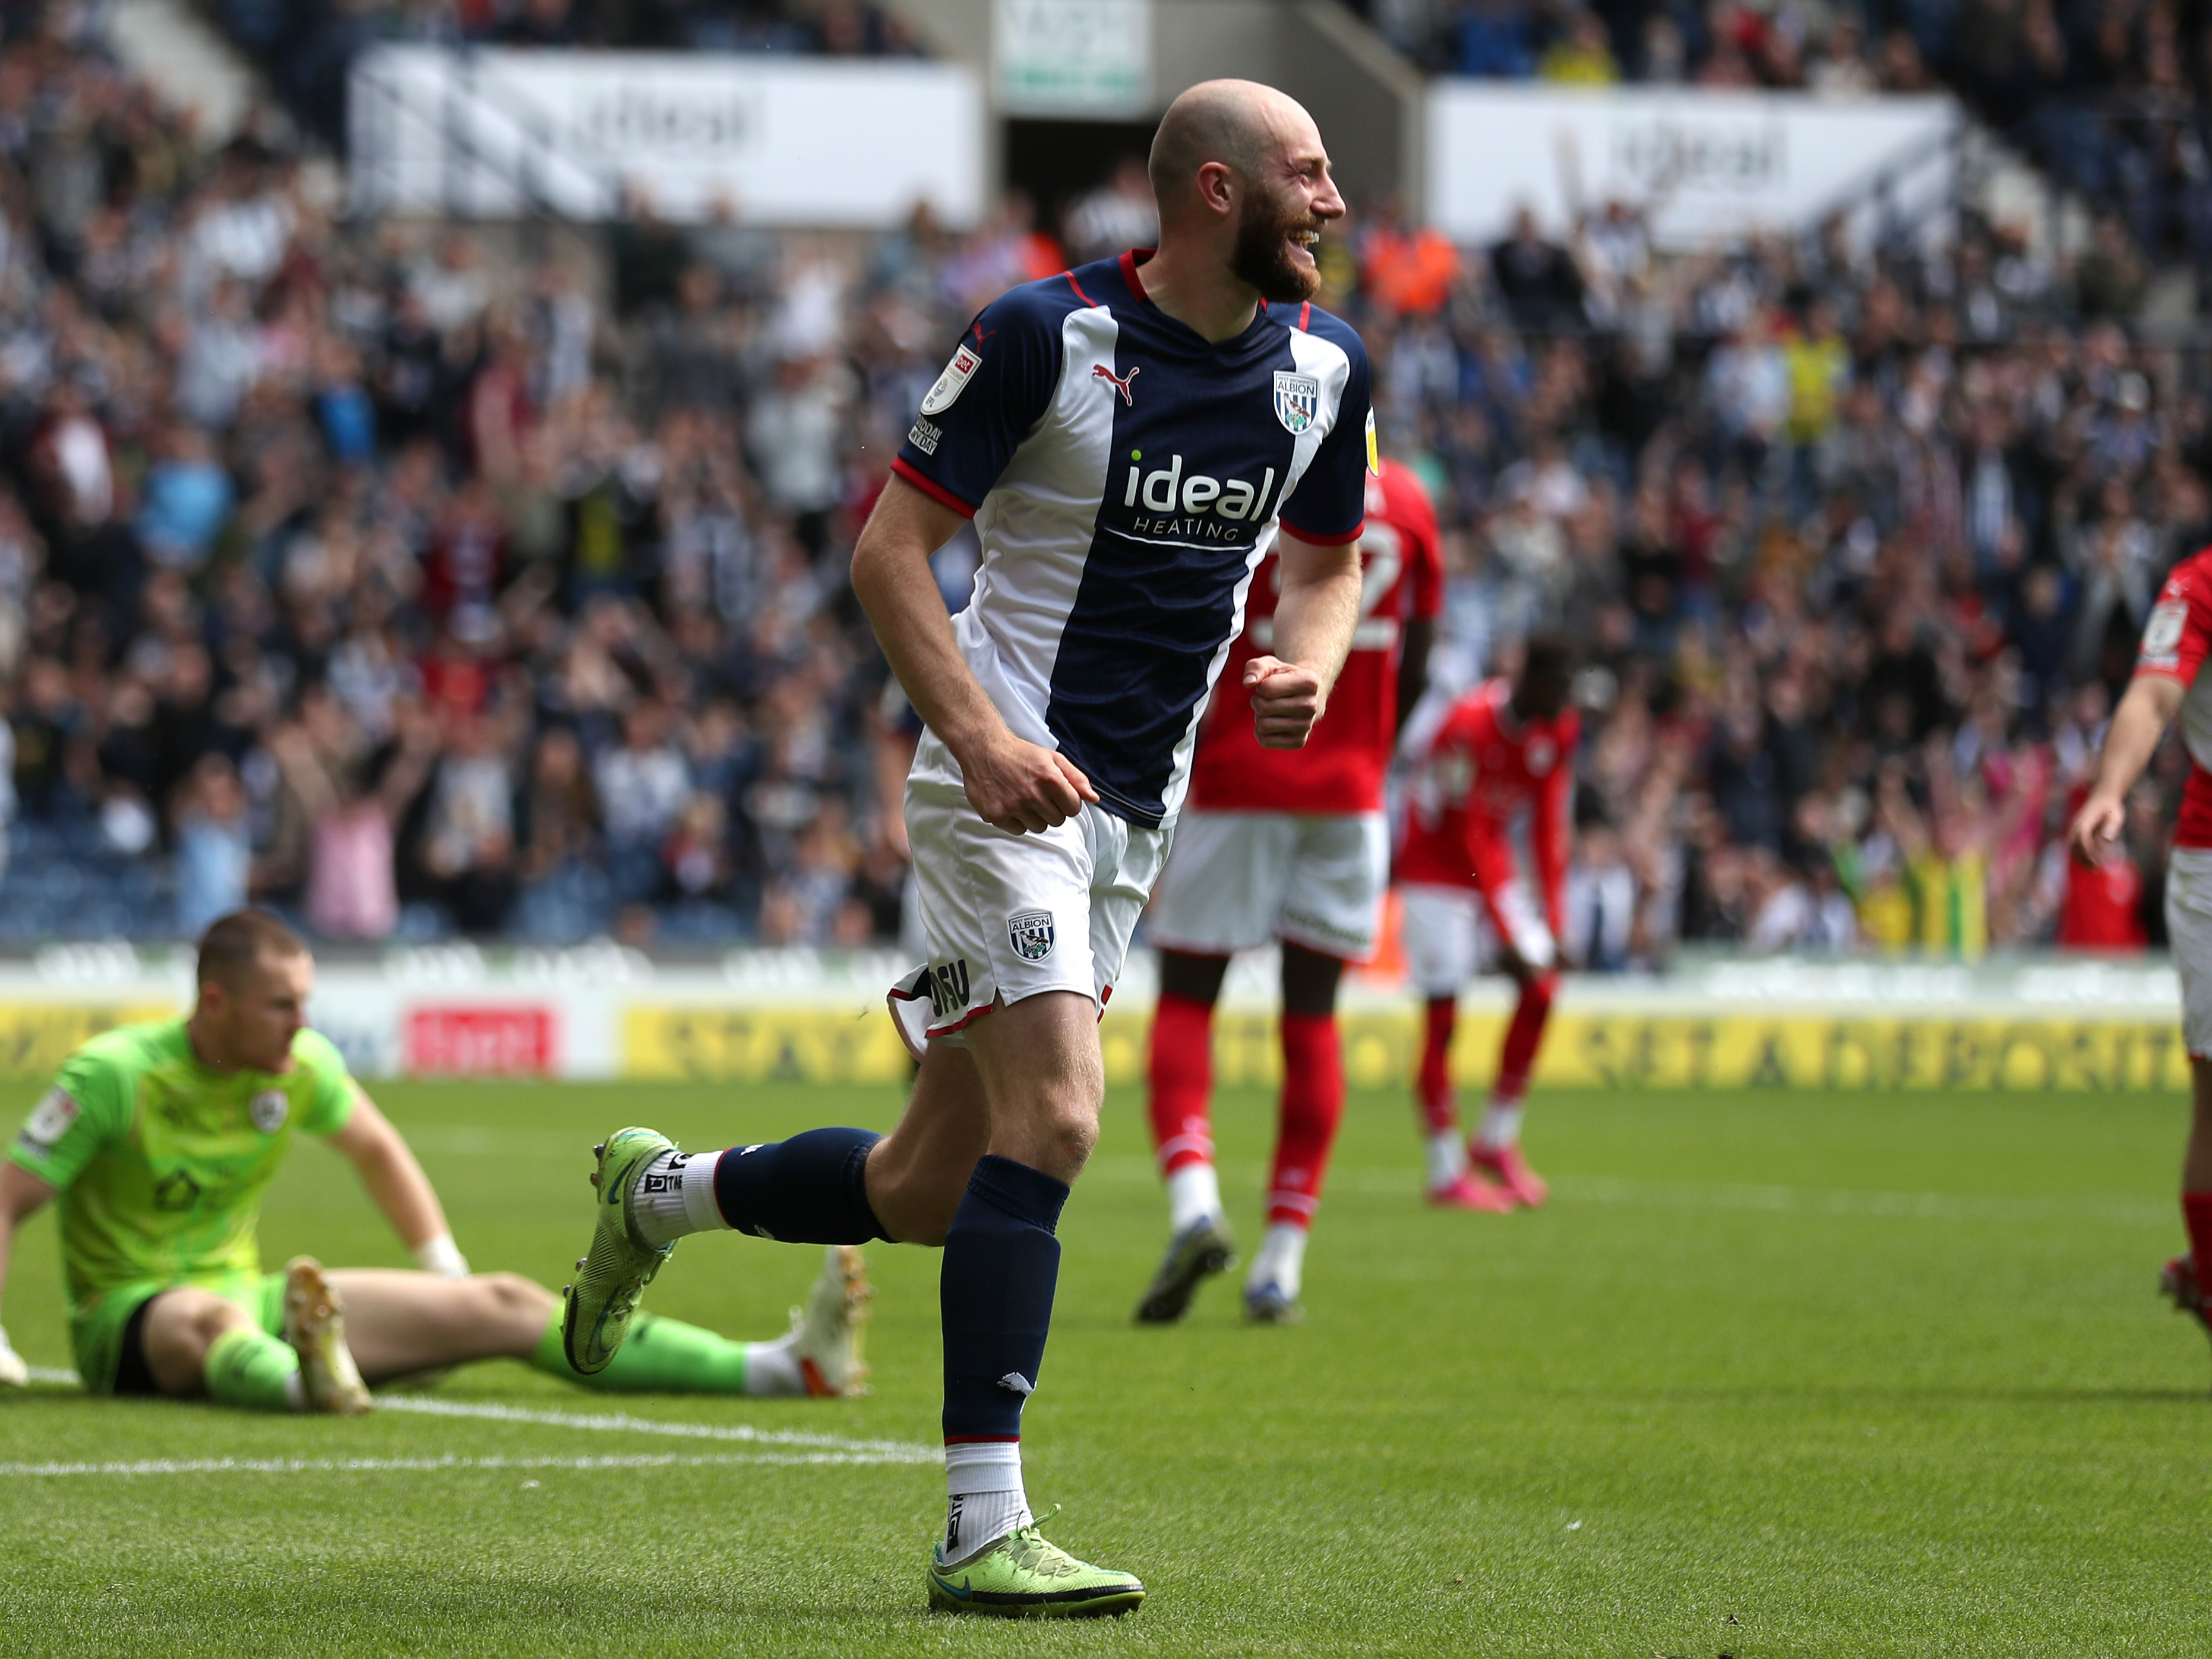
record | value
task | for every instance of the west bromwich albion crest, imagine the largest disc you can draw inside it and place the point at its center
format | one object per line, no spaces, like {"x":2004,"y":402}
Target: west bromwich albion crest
{"x":1030,"y":932}
{"x":1297,"y":400}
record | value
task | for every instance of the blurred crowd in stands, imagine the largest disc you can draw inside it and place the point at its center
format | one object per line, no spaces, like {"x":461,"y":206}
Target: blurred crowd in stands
{"x":305,"y":47}
{"x":2109,"y":96}
{"x":422,"y":581}
{"x":1858,"y":549}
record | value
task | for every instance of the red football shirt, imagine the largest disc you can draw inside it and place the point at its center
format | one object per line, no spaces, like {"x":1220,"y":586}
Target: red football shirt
{"x":2103,"y":909}
{"x":1482,"y":770}
{"x":1341,"y":769}
{"x":2175,"y":640}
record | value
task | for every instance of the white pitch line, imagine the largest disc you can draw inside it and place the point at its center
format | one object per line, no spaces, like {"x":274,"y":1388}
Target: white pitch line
{"x":905,"y":1451}
{"x":421,"y":1465}
{"x":839,"y":1446}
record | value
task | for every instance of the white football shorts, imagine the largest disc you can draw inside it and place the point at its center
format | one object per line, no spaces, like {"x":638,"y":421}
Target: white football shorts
{"x":1237,"y":880}
{"x":1007,"y":916}
{"x":1451,"y":933}
{"x":2189,"y":926}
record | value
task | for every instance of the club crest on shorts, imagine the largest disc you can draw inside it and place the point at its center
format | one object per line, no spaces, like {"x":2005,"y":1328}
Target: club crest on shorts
{"x":1297,"y":400}
{"x":268,"y":1109}
{"x":1031,"y":933}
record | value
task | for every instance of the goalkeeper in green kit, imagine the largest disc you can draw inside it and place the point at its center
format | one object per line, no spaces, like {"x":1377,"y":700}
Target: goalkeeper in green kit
{"x":159,"y":1141}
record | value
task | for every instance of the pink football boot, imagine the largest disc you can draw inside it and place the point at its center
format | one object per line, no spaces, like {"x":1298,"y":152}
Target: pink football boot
{"x":1505,"y":1166}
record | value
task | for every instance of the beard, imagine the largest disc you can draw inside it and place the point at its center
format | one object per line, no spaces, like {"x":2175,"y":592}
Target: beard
{"x":1262,"y":260}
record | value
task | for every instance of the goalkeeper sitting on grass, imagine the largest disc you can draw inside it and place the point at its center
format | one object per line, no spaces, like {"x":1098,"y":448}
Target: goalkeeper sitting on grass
{"x":160,"y":1139}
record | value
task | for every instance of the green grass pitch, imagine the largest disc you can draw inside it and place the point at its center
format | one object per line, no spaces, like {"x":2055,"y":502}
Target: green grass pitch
{"x":1798,"y":1374}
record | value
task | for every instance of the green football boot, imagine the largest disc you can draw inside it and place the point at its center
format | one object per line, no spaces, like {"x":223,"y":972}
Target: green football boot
{"x":613,"y":1274}
{"x":1025,"y":1577}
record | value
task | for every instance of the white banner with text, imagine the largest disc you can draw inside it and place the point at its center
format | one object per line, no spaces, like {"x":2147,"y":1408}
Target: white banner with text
{"x":596,"y":135}
{"x":1704,"y":166}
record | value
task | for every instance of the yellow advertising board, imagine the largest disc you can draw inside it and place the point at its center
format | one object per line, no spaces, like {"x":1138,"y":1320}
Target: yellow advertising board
{"x":1582,"y":1050}
{"x":35,"y":1038}
{"x":734,"y":1045}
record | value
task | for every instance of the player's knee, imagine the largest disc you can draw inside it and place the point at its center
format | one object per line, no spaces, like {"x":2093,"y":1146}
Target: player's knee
{"x":1067,"y":1133}
{"x":511,"y":1295}
{"x":1538,"y":990}
{"x":180,"y":1327}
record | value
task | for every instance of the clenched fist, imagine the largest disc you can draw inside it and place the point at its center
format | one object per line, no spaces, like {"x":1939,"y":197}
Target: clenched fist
{"x":1022,"y":787}
{"x":1286,"y":701}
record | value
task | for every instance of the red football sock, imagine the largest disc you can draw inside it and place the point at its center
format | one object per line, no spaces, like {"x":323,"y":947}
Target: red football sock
{"x":1439,"y":1106}
{"x":1182,"y":1072}
{"x":2196,"y":1217}
{"x":1312,"y":1107}
{"x":1523,"y":1035}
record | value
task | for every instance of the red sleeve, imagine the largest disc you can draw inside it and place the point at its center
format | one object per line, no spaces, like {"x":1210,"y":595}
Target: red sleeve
{"x":1424,"y":557}
{"x":2179,"y":633}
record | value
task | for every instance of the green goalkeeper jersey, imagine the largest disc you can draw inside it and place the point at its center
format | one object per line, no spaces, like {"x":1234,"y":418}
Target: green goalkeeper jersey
{"x":161,"y":1163}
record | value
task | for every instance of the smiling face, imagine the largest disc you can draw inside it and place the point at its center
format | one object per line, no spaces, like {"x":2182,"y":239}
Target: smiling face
{"x":1287,"y":200}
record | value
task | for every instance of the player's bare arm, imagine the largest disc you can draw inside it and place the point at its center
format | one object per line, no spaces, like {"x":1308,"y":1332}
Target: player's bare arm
{"x":22,"y":1194}
{"x":1314,"y":623}
{"x":2151,"y":699}
{"x":1016,"y":786}
{"x":395,"y":1182}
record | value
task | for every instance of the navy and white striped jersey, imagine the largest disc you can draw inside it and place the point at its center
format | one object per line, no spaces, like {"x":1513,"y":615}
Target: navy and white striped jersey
{"x":1126,"y":477}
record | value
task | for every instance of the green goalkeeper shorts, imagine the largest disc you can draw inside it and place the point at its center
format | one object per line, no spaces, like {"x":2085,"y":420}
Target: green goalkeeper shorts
{"x":96,"y":1335}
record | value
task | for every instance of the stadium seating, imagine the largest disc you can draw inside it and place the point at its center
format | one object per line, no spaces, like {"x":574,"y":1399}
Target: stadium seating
{"x":533,"y":549}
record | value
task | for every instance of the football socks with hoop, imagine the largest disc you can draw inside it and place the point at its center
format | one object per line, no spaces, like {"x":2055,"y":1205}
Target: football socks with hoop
{"x":1524,"y":1035}
{"x":1180,"y":1068}
{"x":246,"y":1366}
{"x":995,"y":1292}
{"x":1312,"y":1105}
{"x":1439,"y":1105}
{"x":810,"y":1189}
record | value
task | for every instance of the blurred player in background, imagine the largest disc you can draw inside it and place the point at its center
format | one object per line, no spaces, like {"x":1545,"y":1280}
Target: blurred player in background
{"x":2169,"y":679}
{"x":159,"y":1141}
{"x":1501,"y":764}
{"x":1288,"y":845}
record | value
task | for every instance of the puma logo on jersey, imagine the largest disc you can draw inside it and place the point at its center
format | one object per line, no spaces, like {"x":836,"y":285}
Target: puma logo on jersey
{"x":1119,"y":382}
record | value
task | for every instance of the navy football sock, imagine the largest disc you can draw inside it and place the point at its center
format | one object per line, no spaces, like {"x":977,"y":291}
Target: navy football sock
{"x":1001,"y":1263}
{"x":810,"y":1189}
